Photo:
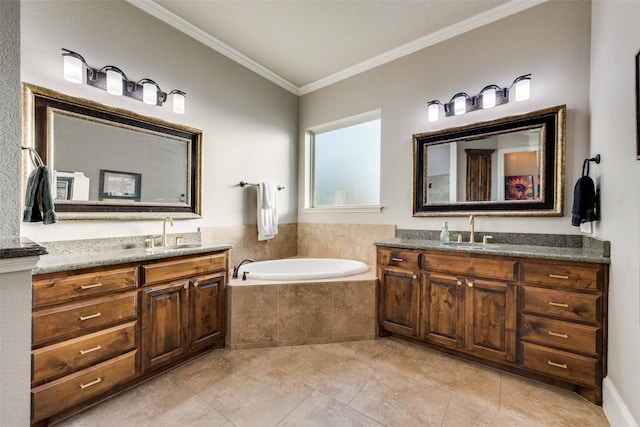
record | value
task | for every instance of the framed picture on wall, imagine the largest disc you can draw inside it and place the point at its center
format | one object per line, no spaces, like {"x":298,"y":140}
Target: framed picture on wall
{"x":638,"y":105}
{"x":120,"y":185}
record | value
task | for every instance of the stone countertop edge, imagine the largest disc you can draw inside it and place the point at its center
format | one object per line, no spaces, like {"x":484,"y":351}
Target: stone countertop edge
{"x":77,"y":261}
{"x":20,"y":247}
{"x":522,"y":251}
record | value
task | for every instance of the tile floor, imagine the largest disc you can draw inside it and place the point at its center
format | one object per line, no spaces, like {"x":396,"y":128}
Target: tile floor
{"x":385,"y":382}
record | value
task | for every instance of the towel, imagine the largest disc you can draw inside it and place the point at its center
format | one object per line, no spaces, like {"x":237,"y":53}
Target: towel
{"x":584,"y":202}
{"x":38,"y":204}
{"x":267,"y":211}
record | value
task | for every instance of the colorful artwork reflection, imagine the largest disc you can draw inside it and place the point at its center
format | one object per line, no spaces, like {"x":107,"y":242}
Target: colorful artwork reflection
{"x":518,"y":187}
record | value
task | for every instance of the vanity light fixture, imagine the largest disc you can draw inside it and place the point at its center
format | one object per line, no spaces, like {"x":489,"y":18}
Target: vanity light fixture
{"x":489,"y":97}
{"x":114,"y":80}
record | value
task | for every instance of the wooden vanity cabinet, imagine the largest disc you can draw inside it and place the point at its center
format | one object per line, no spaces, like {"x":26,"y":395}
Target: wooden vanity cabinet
{"x":471,"y":311}
{"x":99,"y":331}
{"x":182,"y":312}
{"x":540,"y":318}
{"x":399,"y":291}
{"x":84,"y":336}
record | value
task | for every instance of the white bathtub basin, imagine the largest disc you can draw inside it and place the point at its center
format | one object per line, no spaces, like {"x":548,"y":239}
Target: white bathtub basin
{"x":302,"y":268}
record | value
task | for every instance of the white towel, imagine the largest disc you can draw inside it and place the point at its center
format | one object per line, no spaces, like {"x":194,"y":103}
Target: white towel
{"x":267,"y":211}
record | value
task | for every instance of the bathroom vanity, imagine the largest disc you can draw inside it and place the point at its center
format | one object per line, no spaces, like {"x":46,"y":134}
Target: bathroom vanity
{"x":105,"y":321}
{"x":536,"y":311}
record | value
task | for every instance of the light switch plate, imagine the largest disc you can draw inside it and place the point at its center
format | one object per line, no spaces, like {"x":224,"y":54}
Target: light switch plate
{"x":586,"y":227}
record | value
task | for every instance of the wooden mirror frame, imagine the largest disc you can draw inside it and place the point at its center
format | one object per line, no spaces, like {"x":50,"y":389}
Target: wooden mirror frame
{"x":551,"y":121}
{"x":36,"y":126}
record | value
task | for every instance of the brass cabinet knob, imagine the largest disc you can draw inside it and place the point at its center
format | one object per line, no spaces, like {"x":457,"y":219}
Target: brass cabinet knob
{"x":470,"y":284}
{"x":459,"y":282}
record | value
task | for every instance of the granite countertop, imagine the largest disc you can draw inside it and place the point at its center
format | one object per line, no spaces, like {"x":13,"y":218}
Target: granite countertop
{"x":79,"y":254}
{"x":583,"y":254}
{"x":20,"y":247}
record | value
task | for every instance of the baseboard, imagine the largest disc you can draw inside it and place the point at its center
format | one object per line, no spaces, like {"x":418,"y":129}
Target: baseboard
{"x":614,"y":407}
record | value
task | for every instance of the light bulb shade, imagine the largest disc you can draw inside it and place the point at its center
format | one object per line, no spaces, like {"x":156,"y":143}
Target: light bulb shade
{"x":489,"y":98}
{"x":72,"y":69}
{"x":460,"y":105}
{"x":523,"y":88}
{"x":433,"y":111}
{"x":150,"y":93}
{"x":179,"y":102}
{"x":114,"y":82}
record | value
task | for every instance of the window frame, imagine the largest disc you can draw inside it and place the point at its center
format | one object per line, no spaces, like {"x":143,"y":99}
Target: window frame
{"x":310,"y":165}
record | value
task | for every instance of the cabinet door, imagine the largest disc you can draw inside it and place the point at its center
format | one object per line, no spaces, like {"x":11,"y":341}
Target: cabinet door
{"x":490,"y":319}
{"x":399,"y":293}
{"x":207,"y":309}
{"x":164,"y":323}
{"x":443,"y":310}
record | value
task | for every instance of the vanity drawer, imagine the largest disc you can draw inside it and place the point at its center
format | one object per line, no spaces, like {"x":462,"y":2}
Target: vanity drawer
{"x":462,"y":264}
{"x":175,"y":269}
{"x":560,"y":364}
{"x":399,"y":258}
{"x":566,"y":305}
{"x":567,"y":276}
{"x":61,"y":359}
{"x":74,"y":319}
{"x":558,"y":333}
{"x":63,"y":288}
{"x":56,"y":396}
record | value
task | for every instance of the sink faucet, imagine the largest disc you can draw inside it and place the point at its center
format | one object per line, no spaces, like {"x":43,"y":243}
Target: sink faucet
{"x":164,"y":229}
{"x":234,"y":275}
{"x":472,"y":238}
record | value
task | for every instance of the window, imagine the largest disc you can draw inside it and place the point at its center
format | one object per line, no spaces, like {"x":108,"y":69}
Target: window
{"x":344,"y":163}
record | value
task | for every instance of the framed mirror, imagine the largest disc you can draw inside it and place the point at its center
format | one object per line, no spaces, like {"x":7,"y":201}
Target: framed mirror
{"x":109,"y":163}
{"x":512,"y":166}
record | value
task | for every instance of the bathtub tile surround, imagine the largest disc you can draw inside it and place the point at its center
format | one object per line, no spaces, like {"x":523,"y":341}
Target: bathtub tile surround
{"x":363,"y":383}
{"x":349,"y":241}
{"x":263,"y":314}
{"x":244,"y":239}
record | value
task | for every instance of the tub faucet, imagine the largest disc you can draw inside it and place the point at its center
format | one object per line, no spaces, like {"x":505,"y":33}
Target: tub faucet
{"x":234,"y":275}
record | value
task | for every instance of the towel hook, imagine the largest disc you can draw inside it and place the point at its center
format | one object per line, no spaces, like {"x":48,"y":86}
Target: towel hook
{"x":595,"y":159}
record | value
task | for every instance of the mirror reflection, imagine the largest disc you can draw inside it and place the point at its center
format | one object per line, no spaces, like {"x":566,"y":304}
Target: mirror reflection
{"x":110,"y":163}
{"x":510,"y":166}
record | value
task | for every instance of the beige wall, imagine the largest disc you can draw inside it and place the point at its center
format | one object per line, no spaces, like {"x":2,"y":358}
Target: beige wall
{"x":249,"y":124}
{"x":551,"y":41}
{"x":615,"y":41}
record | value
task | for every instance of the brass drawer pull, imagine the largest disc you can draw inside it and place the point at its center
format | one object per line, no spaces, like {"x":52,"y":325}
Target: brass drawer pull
{"x":94,"y":382}
{"x":96,"y":285}
{"x":91,"y":316}
{"x":557,"y":365}
{"x":558,"y":304}
{"x":397,"y":259}
{"x":557,"y":276}
{"x":89,"y":350}
{"x":555,"y":334}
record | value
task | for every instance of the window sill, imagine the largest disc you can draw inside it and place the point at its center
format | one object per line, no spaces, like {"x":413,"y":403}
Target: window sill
{"x":345,"y":209}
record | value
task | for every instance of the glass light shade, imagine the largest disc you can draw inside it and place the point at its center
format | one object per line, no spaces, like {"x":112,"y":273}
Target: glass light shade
{"x":179,"y":101}
{"x":523,"y":89}
{"x":489,"y":98}
{"x":149,"y":93}
{"x":72,"y":69}
{"x":460,"y":105}
{"x":114,"y":82}
{"x":433,"y":112}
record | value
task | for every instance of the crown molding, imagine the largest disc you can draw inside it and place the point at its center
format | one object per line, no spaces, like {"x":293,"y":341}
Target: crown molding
{"x":495,"y":14}
{"x":170,"y":18}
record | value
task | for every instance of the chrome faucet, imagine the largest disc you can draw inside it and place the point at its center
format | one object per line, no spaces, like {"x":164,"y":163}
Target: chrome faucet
{"x":472,"y":238}
{"x":234,"y":275}
{"x":164,"y":229}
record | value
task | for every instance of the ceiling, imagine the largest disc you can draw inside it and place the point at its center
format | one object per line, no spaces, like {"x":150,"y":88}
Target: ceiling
{"x":304,"y":45}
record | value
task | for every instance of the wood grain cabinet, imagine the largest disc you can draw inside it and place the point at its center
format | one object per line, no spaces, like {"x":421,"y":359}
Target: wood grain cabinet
{"x":99,"y":331}
{"x":84,"y":338}
{"x":545,"y":319}
{"x":181,"y":312}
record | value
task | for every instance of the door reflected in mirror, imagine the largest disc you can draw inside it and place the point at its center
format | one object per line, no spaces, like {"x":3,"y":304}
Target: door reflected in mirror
{"x":510,"y":166}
